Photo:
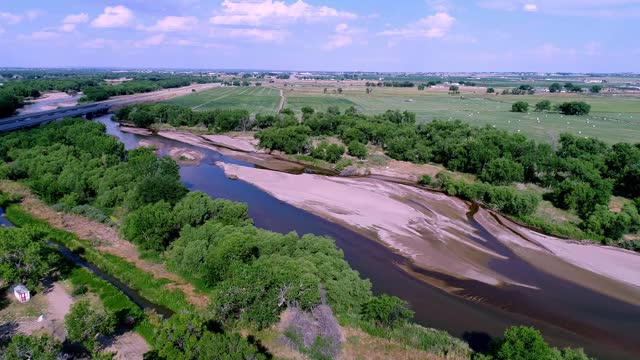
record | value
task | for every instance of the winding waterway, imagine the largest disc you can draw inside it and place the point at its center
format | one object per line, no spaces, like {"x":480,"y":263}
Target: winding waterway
{"x":566,"y":313}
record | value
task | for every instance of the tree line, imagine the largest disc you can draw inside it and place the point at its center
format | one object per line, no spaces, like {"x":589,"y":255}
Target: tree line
{"x":14,"y":93}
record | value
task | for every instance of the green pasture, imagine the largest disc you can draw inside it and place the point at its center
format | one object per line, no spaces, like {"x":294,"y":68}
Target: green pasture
{"x":613,"y":118}
{"x":253,"y":99}
{"x":319,"y":103}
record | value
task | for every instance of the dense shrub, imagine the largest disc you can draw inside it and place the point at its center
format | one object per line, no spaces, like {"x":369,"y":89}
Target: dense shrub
{"x":291,"y":140}
{"x":520,"y":106}
{"x":357,"y":149}
{"x":387,"y":311}
{"x":328,"y":152}
{"x":25,"y":256}
{"x":85,"y":321}
{"x":575,"y":108}
{"x":151,"y":227}
{"x":31,"y":347}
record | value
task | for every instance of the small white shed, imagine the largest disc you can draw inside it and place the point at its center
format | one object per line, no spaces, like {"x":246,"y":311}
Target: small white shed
{"x":22,"y":293}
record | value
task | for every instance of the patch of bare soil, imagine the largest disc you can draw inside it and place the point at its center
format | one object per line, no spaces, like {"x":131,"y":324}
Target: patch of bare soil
{"x":135,"y":130}
{"x":185,"y":156}
{"x":103,"y":237}
{"x":129,"y":345}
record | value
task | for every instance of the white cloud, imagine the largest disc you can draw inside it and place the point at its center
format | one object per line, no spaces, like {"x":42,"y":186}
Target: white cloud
{"x":343,"y":37}
{"x":67,"y":27}
{"x":76,"y":18}
{"x":9,"y":18}
{"x":1,"y":30}
{"x":591,"y":8}
{"x":174,"y":23}
{"x":439,"y":5}
{"x":39,"y":35}
{"x":95,"y":44}
{"x":338,"y":41}
{"x":150,"y":41}
{"x":267,"y":35}
{"x":113,"y":17}
{"x":254,"y":13}
{"x":433,"y":26}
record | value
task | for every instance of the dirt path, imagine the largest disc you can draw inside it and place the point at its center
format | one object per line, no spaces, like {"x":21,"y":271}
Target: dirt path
{"x":58,"y":303}
{"x":282,"y":101}
{"x":129,"y":345}
{"x":104,"y":238}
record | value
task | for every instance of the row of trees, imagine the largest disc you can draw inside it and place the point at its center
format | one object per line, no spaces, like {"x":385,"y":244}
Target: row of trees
{"x":567,"y":108}
{"x":144,"y":115}
{"x":570,"y":87}
{"x":14,"y":92}
{"x":581,"y":173}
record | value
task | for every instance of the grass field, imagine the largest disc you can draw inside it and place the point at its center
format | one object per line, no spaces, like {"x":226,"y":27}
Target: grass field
{"x":613,"y":118}
{"x":253,"y":99}
{"x":319,"y":103}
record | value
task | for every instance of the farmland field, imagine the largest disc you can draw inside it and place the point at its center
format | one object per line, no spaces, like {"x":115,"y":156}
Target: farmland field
{"x":253,"y":99}
{"x":613,"y":118}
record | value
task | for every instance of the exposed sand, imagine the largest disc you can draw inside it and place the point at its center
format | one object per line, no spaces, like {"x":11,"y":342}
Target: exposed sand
{"x":185,"y":156}
{"x":233,"y":143}
{"x":263,"y":160}
{"x":400,"y":216}
{"x":433,"y":231}
{"x":135,"y":130}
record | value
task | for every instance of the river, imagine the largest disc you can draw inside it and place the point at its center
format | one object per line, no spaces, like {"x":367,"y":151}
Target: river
{"x":567,"y":314}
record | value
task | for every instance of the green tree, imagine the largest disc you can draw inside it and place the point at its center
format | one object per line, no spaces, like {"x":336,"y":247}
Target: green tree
{"x":194,"y":209}
{"x":575,"y":108}
{"x":523,"y":343}
{"x":307,"y":112}
{"x":595,"y":88}
{"x":454,"y":89}
{"x":387,"y":311}
{"x":357,"y":149}
{"x":555,"y":87}
{"x":151,"y":227}
{"x":186,"y":336}
{"x":544,"y":105}
{"x":339,"y":90}
{"x":25,"y":256}
{"x":491,"y":90}
{"x":85,"y":322}
{"x":22,"y":347}
{"x":502,"y":171}
{"x":520,"y":106}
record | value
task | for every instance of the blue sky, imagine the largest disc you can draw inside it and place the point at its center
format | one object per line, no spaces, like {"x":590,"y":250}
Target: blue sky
{"x":373,"y":35}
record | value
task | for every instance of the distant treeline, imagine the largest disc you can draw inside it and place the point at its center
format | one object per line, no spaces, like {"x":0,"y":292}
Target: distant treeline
{"x":14,"y":92}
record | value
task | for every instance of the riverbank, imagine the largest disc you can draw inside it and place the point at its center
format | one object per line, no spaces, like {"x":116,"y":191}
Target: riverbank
{"x":432,"y":231}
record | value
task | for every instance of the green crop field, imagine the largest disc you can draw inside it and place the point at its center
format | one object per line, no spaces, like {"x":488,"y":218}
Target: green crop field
{"x":319,"y":103}
{"x":253,"y":99}
{"x":613,"y":118}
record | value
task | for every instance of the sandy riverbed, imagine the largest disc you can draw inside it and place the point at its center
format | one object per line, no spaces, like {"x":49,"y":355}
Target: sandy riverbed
{"x":433,"y":230}
{"x":266,"y":161}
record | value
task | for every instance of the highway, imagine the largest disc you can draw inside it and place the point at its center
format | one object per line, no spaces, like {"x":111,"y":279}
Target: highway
{"x":43,"y":117}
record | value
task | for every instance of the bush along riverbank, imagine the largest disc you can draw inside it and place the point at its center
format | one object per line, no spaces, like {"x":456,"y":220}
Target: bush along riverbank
{"x":252,"y":276}
{"x":580,"y":175}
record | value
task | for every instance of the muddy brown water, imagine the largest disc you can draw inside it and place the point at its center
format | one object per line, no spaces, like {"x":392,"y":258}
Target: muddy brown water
{"x":567,"y":314}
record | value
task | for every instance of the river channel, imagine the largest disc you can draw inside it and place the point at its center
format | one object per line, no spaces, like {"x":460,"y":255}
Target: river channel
{"x":566,"y":313}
